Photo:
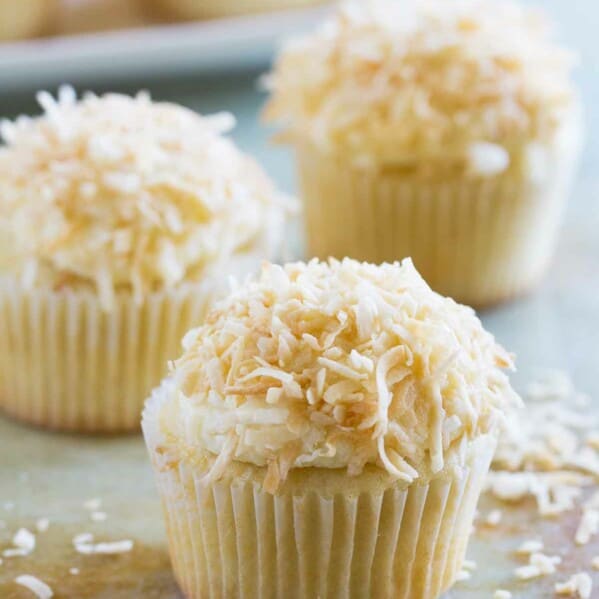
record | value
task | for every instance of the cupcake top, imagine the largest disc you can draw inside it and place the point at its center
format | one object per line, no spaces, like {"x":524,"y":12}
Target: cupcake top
{"x":121,"y":193}
{"x":338,"y":365}
{"x":389,"y":81}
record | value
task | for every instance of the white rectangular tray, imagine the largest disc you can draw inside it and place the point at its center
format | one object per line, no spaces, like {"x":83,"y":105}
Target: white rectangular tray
{"x":233,"y":43}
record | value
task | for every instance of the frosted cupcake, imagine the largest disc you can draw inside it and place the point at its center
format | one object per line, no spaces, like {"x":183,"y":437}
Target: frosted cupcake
{"x":326,"y":433}
{"x":120,"y":220}
{"x":25,"y":18}
{"x":209,"y":9}
{"x":444,"y":131}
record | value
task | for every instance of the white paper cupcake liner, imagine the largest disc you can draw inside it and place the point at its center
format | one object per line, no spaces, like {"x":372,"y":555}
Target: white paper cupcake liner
{"x":231,"y":539}
{"x":67,"y":364}
{"x":479,"y":240}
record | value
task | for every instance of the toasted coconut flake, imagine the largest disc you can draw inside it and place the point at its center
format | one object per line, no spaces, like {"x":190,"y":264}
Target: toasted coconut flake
{"x":392,"y":82}
{"x":39,"y":588}
{"x":579,"y":585}
{"x":353,"y":390}
{"x":121,"y":194}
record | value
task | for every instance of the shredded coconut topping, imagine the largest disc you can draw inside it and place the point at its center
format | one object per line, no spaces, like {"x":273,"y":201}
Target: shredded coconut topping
{"x":39,"y":588}
{"x":336,"y":365}
{"x":393,"y":81}
{"x":579,"y":585}
{"x":84,"y":544}
{"x":125,"y":194}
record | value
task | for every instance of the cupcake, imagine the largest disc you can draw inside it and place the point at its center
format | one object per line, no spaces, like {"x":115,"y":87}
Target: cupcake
{"x":120,"y":221}
{"x":326,"y":433}
{"x":444,"y":131}
{"x":210,"y":9}
{"x":24,"y":18}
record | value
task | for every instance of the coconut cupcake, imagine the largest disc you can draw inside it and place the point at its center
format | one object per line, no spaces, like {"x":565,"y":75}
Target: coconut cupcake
{"x":444,"y":131}
{"x":120,"y":220}
{"x":326,"y":433}
{"x":210,"y":9}
{"x":25,"y":18}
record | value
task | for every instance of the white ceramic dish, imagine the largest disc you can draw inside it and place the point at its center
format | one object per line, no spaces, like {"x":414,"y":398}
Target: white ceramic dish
{"x":234,"y":43}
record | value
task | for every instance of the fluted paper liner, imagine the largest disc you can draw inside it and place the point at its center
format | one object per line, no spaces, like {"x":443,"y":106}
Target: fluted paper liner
{"x":477,"y":239}
{"x":67,"y":364}
{"x":231,"y":539}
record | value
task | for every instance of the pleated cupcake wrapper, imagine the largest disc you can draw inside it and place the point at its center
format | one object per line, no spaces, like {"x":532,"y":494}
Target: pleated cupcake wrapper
{"x":479,"y":240}
{"x":66,"y":364}
{"x":234,"y":540}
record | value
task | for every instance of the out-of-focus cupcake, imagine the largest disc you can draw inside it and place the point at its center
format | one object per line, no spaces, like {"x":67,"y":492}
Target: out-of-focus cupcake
{"x":210,"y":9}
{"x":120,"y":220}
{"x":85,"y":16}
{"x":444,"y":131}
{"x":326,"y":434}
{"x":21,"y":19}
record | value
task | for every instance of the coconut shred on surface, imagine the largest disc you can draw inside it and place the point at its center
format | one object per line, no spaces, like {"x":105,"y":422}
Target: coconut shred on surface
{"x":340,"y":364}
{"x":548,"y":453}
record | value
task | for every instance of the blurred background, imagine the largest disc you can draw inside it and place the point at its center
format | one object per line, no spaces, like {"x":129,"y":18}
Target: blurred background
{"x":199,"y":54}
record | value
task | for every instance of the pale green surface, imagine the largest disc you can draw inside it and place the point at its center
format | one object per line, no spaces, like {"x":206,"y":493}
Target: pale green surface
{"x":47,"y":475}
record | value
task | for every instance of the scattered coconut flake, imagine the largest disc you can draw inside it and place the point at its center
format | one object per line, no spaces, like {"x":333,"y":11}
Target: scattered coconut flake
{"x":502,"y":594}
{"x":74,"y":571}
{"x":84,"y":537}
{"x":538,"y":565}
{"x":543,"y":453}
{"x":42,"y":524}
{"x":579,"y":585}
{"x":98,"y":516}
{"x":469,"y":565}
{"x":595,"y":563}
{"x":463,"y":575}
{"x":545,"y":563}
{"x":24,"y":540}
{"x":493,"y":518}
{"x":528,"y":547}
{"x":39,"y":588}
{"x":84,"y":544}
{"x":9,"y":506}
{"x":527,"y":572}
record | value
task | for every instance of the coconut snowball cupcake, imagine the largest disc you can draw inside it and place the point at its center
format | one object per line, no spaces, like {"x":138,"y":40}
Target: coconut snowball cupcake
{"x":445,"y":131}
{"x":120,"y":220}
{"x":326,"y":433}
{"x":209,"y":9}
{"x":25,"y":18}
